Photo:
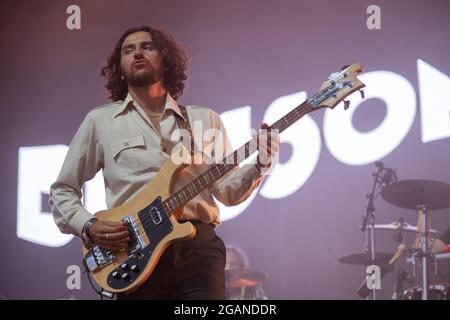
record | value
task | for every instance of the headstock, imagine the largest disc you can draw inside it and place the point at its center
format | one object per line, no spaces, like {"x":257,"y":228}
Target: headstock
{"x":338,"y":86}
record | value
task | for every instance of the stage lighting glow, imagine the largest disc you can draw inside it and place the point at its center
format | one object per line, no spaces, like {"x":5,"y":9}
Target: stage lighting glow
{"x":304,"y":138}
{"x":345,"y":143}
{"x":38,"y":169}
{"x":434,"y":88}
{"x":359,"y":148}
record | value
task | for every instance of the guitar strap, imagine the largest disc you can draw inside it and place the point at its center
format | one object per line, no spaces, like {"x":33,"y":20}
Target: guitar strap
{"x":184,"y":124}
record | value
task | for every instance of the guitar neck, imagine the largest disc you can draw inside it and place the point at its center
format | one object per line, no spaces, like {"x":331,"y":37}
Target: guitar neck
{"x":218,"y":170}
{"x":340,"y":85}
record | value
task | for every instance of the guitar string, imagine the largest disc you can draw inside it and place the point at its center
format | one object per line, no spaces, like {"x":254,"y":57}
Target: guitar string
{"x":298,"y":112}
{"x":141,"y":223}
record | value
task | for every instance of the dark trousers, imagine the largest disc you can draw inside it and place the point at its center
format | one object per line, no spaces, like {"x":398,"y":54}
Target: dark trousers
{"x":192,"y":269}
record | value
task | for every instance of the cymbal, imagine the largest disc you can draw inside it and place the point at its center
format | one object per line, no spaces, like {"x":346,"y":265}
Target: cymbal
{"x":237,"y":278}
{"x":381,"y":258}
{"x":410,"y":194}
{"x":396,"y":226}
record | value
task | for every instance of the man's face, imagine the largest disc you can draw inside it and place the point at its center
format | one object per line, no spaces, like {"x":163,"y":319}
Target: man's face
{"x":140,"y":61}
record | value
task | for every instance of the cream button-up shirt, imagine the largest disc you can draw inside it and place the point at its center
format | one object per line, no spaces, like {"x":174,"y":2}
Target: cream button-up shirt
{"x":120,"y":140}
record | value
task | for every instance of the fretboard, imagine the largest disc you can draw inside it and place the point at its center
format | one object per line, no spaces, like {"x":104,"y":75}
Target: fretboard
{"x":218,"y":170}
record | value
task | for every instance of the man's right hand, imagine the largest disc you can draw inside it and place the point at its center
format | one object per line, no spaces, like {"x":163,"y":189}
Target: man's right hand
{"x":110,"y":235}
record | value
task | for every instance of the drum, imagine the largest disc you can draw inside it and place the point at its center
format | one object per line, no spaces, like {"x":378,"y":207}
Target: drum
{"x":437,"y":292}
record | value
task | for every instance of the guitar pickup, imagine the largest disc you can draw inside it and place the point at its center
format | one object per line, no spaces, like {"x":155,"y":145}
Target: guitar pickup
{"x":156,"y":216}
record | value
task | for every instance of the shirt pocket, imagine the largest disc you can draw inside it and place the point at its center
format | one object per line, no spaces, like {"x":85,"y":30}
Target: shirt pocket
{"x":130,"y":155}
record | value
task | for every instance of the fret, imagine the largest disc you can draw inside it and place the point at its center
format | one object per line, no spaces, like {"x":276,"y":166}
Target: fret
{"x":166,"y":206}
{"x":239,"y":154}
{"x":187,"y":192}
{"x":175,"y":203}
{"x":189,"y":188}
{"x":210,"y":175}
{"x":218,"y":170}
{"x":199,"y":184}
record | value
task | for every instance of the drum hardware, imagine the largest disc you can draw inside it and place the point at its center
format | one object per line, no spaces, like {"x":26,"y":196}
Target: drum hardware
{"x":242,"y":280}
{"x":424,"y":196}
{"x":365,"y":259}
{"x":401,"y":226}
{"x":402,"y":276}
{"x":436,"y":292}
{"x":363,"y":289}
{"x":434,"y":258}
{"x":239,"y":278}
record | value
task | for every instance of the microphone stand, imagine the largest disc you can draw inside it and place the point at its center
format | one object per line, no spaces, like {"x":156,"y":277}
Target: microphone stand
{"x":369,"y":219}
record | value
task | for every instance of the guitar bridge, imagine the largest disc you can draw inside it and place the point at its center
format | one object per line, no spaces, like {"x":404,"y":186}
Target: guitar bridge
{"x":136,"y":242}
{"x":97,"y":258}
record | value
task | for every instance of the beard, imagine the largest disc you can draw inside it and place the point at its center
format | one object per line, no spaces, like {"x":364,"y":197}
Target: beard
{"x":142,"y":77}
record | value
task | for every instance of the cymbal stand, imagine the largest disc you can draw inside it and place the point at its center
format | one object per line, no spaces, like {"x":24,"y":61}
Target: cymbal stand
{"x":425,"y":252}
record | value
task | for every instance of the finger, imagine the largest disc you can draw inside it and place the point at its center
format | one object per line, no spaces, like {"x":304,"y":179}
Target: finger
{"x":275,"y":147}
{"x":118,"y":236}
{"x":108,"y":229}
{"x":116,"y":224}
{"x":112,"y":237}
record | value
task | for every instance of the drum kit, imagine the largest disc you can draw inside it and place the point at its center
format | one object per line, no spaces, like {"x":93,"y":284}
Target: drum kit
{"x":242,"y":283}
{"x":422,"y":196}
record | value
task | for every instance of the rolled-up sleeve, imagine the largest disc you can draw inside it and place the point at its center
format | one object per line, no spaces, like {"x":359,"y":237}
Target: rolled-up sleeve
{"x":83,"y":160}
{"x":237,"y":185}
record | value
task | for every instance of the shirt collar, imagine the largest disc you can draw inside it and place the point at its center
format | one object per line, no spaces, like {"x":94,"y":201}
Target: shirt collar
{"x":169,"y":104}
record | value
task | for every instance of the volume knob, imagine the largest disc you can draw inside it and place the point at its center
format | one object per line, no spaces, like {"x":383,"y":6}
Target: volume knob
{"x":126,"y":276}
{"x":135,"y":268}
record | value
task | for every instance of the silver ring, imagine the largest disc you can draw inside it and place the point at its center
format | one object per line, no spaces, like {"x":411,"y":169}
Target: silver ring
{"x":107,"y":236}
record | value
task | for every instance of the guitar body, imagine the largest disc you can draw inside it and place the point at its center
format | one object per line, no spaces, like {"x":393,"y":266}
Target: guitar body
{"x":125,"y":271}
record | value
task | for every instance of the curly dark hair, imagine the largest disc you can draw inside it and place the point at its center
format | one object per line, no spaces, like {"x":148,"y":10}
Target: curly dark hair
{"x":174,"y":64}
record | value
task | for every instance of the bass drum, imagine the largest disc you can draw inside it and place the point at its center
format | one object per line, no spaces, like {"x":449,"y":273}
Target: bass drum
{"x":437,"y":292}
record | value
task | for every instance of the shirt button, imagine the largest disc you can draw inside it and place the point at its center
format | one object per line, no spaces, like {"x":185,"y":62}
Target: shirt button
{"x":126,"y":144}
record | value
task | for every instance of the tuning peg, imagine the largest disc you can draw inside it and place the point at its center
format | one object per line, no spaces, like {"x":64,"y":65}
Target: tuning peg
{"x":362,"y":94}
{"x":346,"y":104}
{"x":344,"y":67}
